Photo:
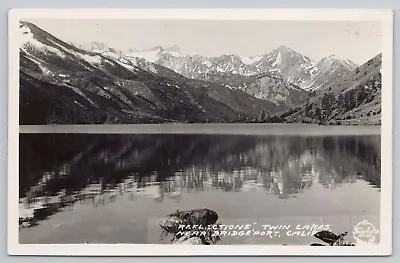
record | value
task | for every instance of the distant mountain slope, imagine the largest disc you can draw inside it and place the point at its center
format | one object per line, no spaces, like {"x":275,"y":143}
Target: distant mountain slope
{"x":229,"y":70}
{"x":282,"y":60}
{"x":328,"y":70}
{"x":372,"y":68}
{"x":60,"y":83}
{"x":291,"y":65}
{"x":354,"y":98}
{"x":265,"y":77}
{"x":266,"y":86}
{"x":277,"y":90}
{"x":289,"y":70}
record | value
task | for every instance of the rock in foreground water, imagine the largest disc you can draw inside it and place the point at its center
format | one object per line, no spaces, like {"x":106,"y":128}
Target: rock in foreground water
{"x":190,"y":226}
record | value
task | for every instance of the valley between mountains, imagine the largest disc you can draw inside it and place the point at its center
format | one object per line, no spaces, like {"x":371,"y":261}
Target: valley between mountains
{"x":92,"y":83}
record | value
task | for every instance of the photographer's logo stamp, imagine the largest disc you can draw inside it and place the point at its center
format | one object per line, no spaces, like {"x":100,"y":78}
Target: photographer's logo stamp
{"x":365,"y":231}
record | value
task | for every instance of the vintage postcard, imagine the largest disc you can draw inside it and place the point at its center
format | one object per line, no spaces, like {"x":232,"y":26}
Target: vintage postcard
{"x":149,"y":132}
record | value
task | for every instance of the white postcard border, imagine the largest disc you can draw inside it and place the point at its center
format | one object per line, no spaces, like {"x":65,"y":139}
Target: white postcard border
{"x":383,"y":15}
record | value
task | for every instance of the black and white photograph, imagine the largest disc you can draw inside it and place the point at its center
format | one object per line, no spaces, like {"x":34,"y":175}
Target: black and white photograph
{"x":241,"y":132}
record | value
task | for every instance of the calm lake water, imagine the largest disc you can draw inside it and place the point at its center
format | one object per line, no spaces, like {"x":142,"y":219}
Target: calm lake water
{"x":115,"y":188}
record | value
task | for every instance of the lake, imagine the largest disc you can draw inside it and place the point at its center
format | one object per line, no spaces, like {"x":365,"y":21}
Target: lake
{"x":116,"y":187}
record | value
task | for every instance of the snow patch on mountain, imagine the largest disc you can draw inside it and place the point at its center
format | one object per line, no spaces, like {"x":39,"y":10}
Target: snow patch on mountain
{"x":230,"y":87}
{"x":175,"y":53}
{"x":343,"y":61}
{"x":151,"y":55}
{"x":91,"y":59}
{"x":328,"y":69}
{"x":313,"y":70}
{"x":38,"y":62}
{"x":250,"y":60}
{"x":155,"y":53}
{"x":207,"y":63}
{"x":94,"y":46}
{"x":27,"y":40}
{"x":127,"y":66}
{"x":79,"y":92}
{"x":278,"y":60}
{"x":115,"y":56}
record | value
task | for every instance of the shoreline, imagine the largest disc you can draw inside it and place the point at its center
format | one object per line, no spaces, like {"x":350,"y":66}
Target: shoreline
{"x":209,"y":128}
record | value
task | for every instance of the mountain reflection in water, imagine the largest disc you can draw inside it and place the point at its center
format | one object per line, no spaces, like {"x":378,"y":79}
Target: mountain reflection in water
{"x":59,"y":170}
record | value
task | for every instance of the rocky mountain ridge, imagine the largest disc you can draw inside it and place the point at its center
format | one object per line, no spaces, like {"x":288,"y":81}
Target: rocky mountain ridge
{"x":60,"y":83}
{"x":95,"y":83}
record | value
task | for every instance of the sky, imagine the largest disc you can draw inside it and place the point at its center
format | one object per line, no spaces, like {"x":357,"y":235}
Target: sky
{"x":358,"y":41}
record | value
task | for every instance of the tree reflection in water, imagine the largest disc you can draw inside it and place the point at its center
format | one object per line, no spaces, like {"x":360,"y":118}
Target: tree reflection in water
{"x":58,"y":170}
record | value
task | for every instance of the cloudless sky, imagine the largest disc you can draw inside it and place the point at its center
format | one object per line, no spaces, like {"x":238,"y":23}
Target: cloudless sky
{"x":357,"y":41}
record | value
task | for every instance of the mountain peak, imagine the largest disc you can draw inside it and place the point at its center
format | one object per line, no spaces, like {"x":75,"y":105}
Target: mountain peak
{"x":336,"y":59}
{"x":333,"y":56}
{"x":158,"y":47}
{"x":283,"y":49}
{"x":26,"y":24}
{"x":286,"y":52}
{"x":174,"y":48}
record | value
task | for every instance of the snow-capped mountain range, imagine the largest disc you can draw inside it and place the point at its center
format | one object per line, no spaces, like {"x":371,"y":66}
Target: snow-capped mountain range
{"x":357,"y":95}
{"x":292,"y":66}
{"x":62,"y":82}
{"x":327,"y":70}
